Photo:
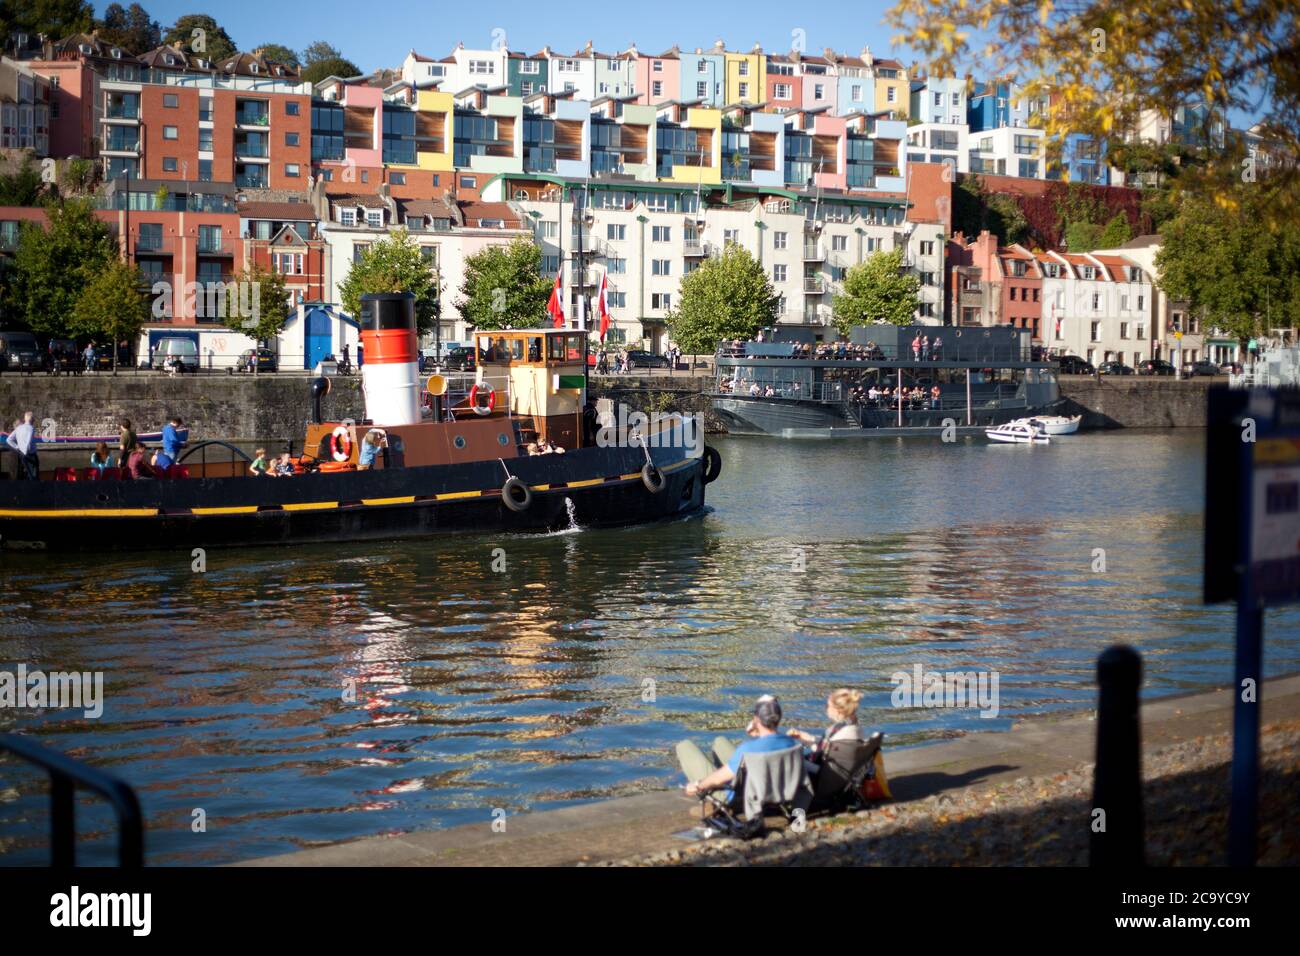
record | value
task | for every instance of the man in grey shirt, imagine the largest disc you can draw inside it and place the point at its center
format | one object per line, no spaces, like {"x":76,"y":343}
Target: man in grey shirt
{"x":23,"y":441}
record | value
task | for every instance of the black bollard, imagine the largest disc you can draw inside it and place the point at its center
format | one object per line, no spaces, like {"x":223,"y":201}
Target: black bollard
{"x":1117,"y":779}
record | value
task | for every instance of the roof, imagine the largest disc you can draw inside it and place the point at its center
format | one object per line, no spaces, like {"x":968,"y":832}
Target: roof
{"x":367,"y":201}
{"x":424,"y":207}
{"x":474,"y":213}
{"x":297,"y":211}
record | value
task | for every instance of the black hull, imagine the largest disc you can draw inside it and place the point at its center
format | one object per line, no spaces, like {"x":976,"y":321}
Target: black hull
{"x":604,"y":485}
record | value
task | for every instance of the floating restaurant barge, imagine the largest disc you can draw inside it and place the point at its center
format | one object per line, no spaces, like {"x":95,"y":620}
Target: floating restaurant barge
{"x":798,"y":389}
{"x":452,"y":466}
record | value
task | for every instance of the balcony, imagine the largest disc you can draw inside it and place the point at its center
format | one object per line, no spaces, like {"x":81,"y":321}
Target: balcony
{"x":254,"y":151}
{"x":813,"y":252}
{"x":695,"y":249}
{"x":255,"y":118}
{"x":215,"y":247}
{"x":122,"y":111}
{"x":813,"y":285}
{"x":151,"y":245}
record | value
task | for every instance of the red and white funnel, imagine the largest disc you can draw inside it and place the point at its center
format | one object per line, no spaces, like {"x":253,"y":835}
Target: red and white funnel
{"x":391,"y":376}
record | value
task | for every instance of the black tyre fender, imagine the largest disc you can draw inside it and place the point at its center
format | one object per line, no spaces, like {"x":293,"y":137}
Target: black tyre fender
{"x":653,"y":478}
{"x":712,"y":464}
{"x":510,"y":492}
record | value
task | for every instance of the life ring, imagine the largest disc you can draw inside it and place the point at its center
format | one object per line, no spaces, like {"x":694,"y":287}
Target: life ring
{"x":491,"y":399}
{"x":712,"y":464}
{"x":513,"y":486}
{"x":653,"y":478}
{"x":341,"y":444}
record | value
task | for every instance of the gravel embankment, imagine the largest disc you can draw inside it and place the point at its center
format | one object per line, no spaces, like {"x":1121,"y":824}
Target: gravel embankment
{"x":1042,"y":821}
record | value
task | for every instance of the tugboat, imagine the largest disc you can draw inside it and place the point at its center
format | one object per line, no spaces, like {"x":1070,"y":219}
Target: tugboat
{"x":975,"y":379}
{"x":460,"y":465}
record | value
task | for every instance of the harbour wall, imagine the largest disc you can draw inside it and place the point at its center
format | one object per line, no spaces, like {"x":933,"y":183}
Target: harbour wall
{"x":277,"y":407}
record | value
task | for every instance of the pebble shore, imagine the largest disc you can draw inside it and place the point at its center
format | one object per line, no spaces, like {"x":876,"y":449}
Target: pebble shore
{"x":1040,"y":821}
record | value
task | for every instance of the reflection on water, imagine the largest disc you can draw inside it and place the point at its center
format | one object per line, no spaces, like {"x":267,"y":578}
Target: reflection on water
{"x":308,"y":695}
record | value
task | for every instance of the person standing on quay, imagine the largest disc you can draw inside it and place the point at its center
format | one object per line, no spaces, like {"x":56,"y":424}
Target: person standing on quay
{"x":23,"y":441}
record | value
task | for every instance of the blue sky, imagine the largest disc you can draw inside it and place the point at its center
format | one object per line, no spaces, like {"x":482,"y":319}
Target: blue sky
{"x":373,"y":41}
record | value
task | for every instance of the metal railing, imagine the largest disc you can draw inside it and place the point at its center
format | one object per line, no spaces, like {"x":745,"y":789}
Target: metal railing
{"x":66,"y":775}
{"x":950,"y":351}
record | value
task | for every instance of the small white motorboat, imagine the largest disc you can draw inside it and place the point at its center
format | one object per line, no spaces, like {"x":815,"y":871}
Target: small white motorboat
{"x":1020,"y":432}
{"x":1054,"y":424}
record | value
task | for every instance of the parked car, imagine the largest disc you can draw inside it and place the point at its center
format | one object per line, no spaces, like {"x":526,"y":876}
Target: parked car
{"x":1155,"y":367}
{"x":266,"y":360}
{"x":21,"y":352}
{"x":1073,"y":365}
{"x":639,"y":358}
{"x":62,"y":355}
{"x":1201,"y":367}
{"x":185,"y":350}
{"x":461,"y":359}
{"x":1114,"y":368}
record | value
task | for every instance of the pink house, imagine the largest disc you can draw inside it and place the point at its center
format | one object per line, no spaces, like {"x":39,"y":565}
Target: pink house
{"x":657,"y":77}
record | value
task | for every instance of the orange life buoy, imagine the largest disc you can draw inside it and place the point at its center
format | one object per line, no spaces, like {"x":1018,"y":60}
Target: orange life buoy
{"x":491,"y":399}
{"x":341,"y":444}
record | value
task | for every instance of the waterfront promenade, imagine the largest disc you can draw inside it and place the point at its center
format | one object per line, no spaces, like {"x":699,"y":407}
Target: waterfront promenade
{"x":1035,"y":756}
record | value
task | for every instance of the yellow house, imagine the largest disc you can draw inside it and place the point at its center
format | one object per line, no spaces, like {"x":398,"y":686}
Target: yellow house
{"x":893,"y":92}
{"x":704,"y":163}
{"x":435,"y":118}
{"x":746,"y":77}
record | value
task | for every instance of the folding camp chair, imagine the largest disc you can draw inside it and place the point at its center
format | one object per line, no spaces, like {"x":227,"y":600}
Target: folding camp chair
{"x":846,"y":764}
{"x":773,"y":779}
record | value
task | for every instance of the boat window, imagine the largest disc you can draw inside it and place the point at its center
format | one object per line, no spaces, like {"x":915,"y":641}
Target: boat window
{"x":575,"y":348}
{"x":459,"y":441}
{"x":486,"y":350}
{"x":535,"y":349}
{"x":503,"y":438}
{"x":516,"y":350}
{"x":555,"y":347}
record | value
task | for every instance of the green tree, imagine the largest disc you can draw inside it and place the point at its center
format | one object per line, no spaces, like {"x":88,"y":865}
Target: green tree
{"x":22,"y":187}
{"x":727,"y":297}
{"x":112,"y":306}
{"x":214,"y":43}
{"x":1082,"y":237}
{"x":320,"y":50}
{"x":504,"y":287}
{"x":130,"y":28}
{"x":280,"y":54}
{"x":394,"y":264}
{"x":877,"y":289}
{"x":271,"y":296}
{"x":337,"y":66}
{"x":55,"y":18}
{"x":1116,"y":233}
{"x":53,"y":265}
{"x":1222,"y":258}
{"x":77,"y":176}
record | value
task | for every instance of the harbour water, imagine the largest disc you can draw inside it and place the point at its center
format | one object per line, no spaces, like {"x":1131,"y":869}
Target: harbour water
{"x":308,"y":695}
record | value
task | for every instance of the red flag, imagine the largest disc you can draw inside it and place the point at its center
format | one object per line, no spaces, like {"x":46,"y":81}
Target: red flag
{"x":602,"y":305}
{"x":555,"y":307}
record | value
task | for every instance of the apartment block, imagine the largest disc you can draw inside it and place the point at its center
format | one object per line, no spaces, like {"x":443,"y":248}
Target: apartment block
{"x":24,"y":108}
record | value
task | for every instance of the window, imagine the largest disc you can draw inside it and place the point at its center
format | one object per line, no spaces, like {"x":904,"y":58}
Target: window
{"x":661,"y":267}
{"x":397,"y":179}
{"x":205,"y":140}
{"x":661,"y":234}
{"x":359,"y":249}
{"x":702,"y":66}
{"x":744,"y":68}
{"x":938,"y":99}
{"x":890,"y":94}
{"x":744,"y":91}
{"x":348,"y":217}
{"x":1123,"y":330}
{"x":205,"y":170}
{"x":1096,"y":301}
{"x":529,"y":66}
{"x":615,"y":233}
{"x":927,"y":248}
{"x":526,"y":87}
{"x":730,"y":236}
{"x":778,"y":273}
{"x":781,"y":91}
{"x":819,"y":91}
{"x":839,"y":243}
{"x":1140,"y":299}
{"x":170,"y":101}
{"x":290,"y":139}
{"x":701,"y":90}
{"x":855,"y":92}
{"x":481,"y":67}
{"x":616,"y":266}
{"x":169,"y":132}
{"x":291,"y":169}
{"x":1096,"y":331}
{"x":375,"y":218}
{"x":291,"y":108}
{"x":657,"y":66}
{"x":657,"y":88}
{"x":169,"y":164}
{"x":468,"y":182}
{"x":779,"y":240}
{"x":661,"y":301}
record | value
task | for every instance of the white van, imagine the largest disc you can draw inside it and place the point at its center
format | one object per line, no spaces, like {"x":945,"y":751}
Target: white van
{"x":183,"y":349}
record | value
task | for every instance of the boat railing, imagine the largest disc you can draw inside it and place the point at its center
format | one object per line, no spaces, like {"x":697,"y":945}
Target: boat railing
{"x":990,"y":355}
{"x":66,"y":775}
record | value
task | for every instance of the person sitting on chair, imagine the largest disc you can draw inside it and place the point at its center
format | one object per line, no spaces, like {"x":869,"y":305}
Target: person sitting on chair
{"x":842,"y":709}
{"x":720,"y":768}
